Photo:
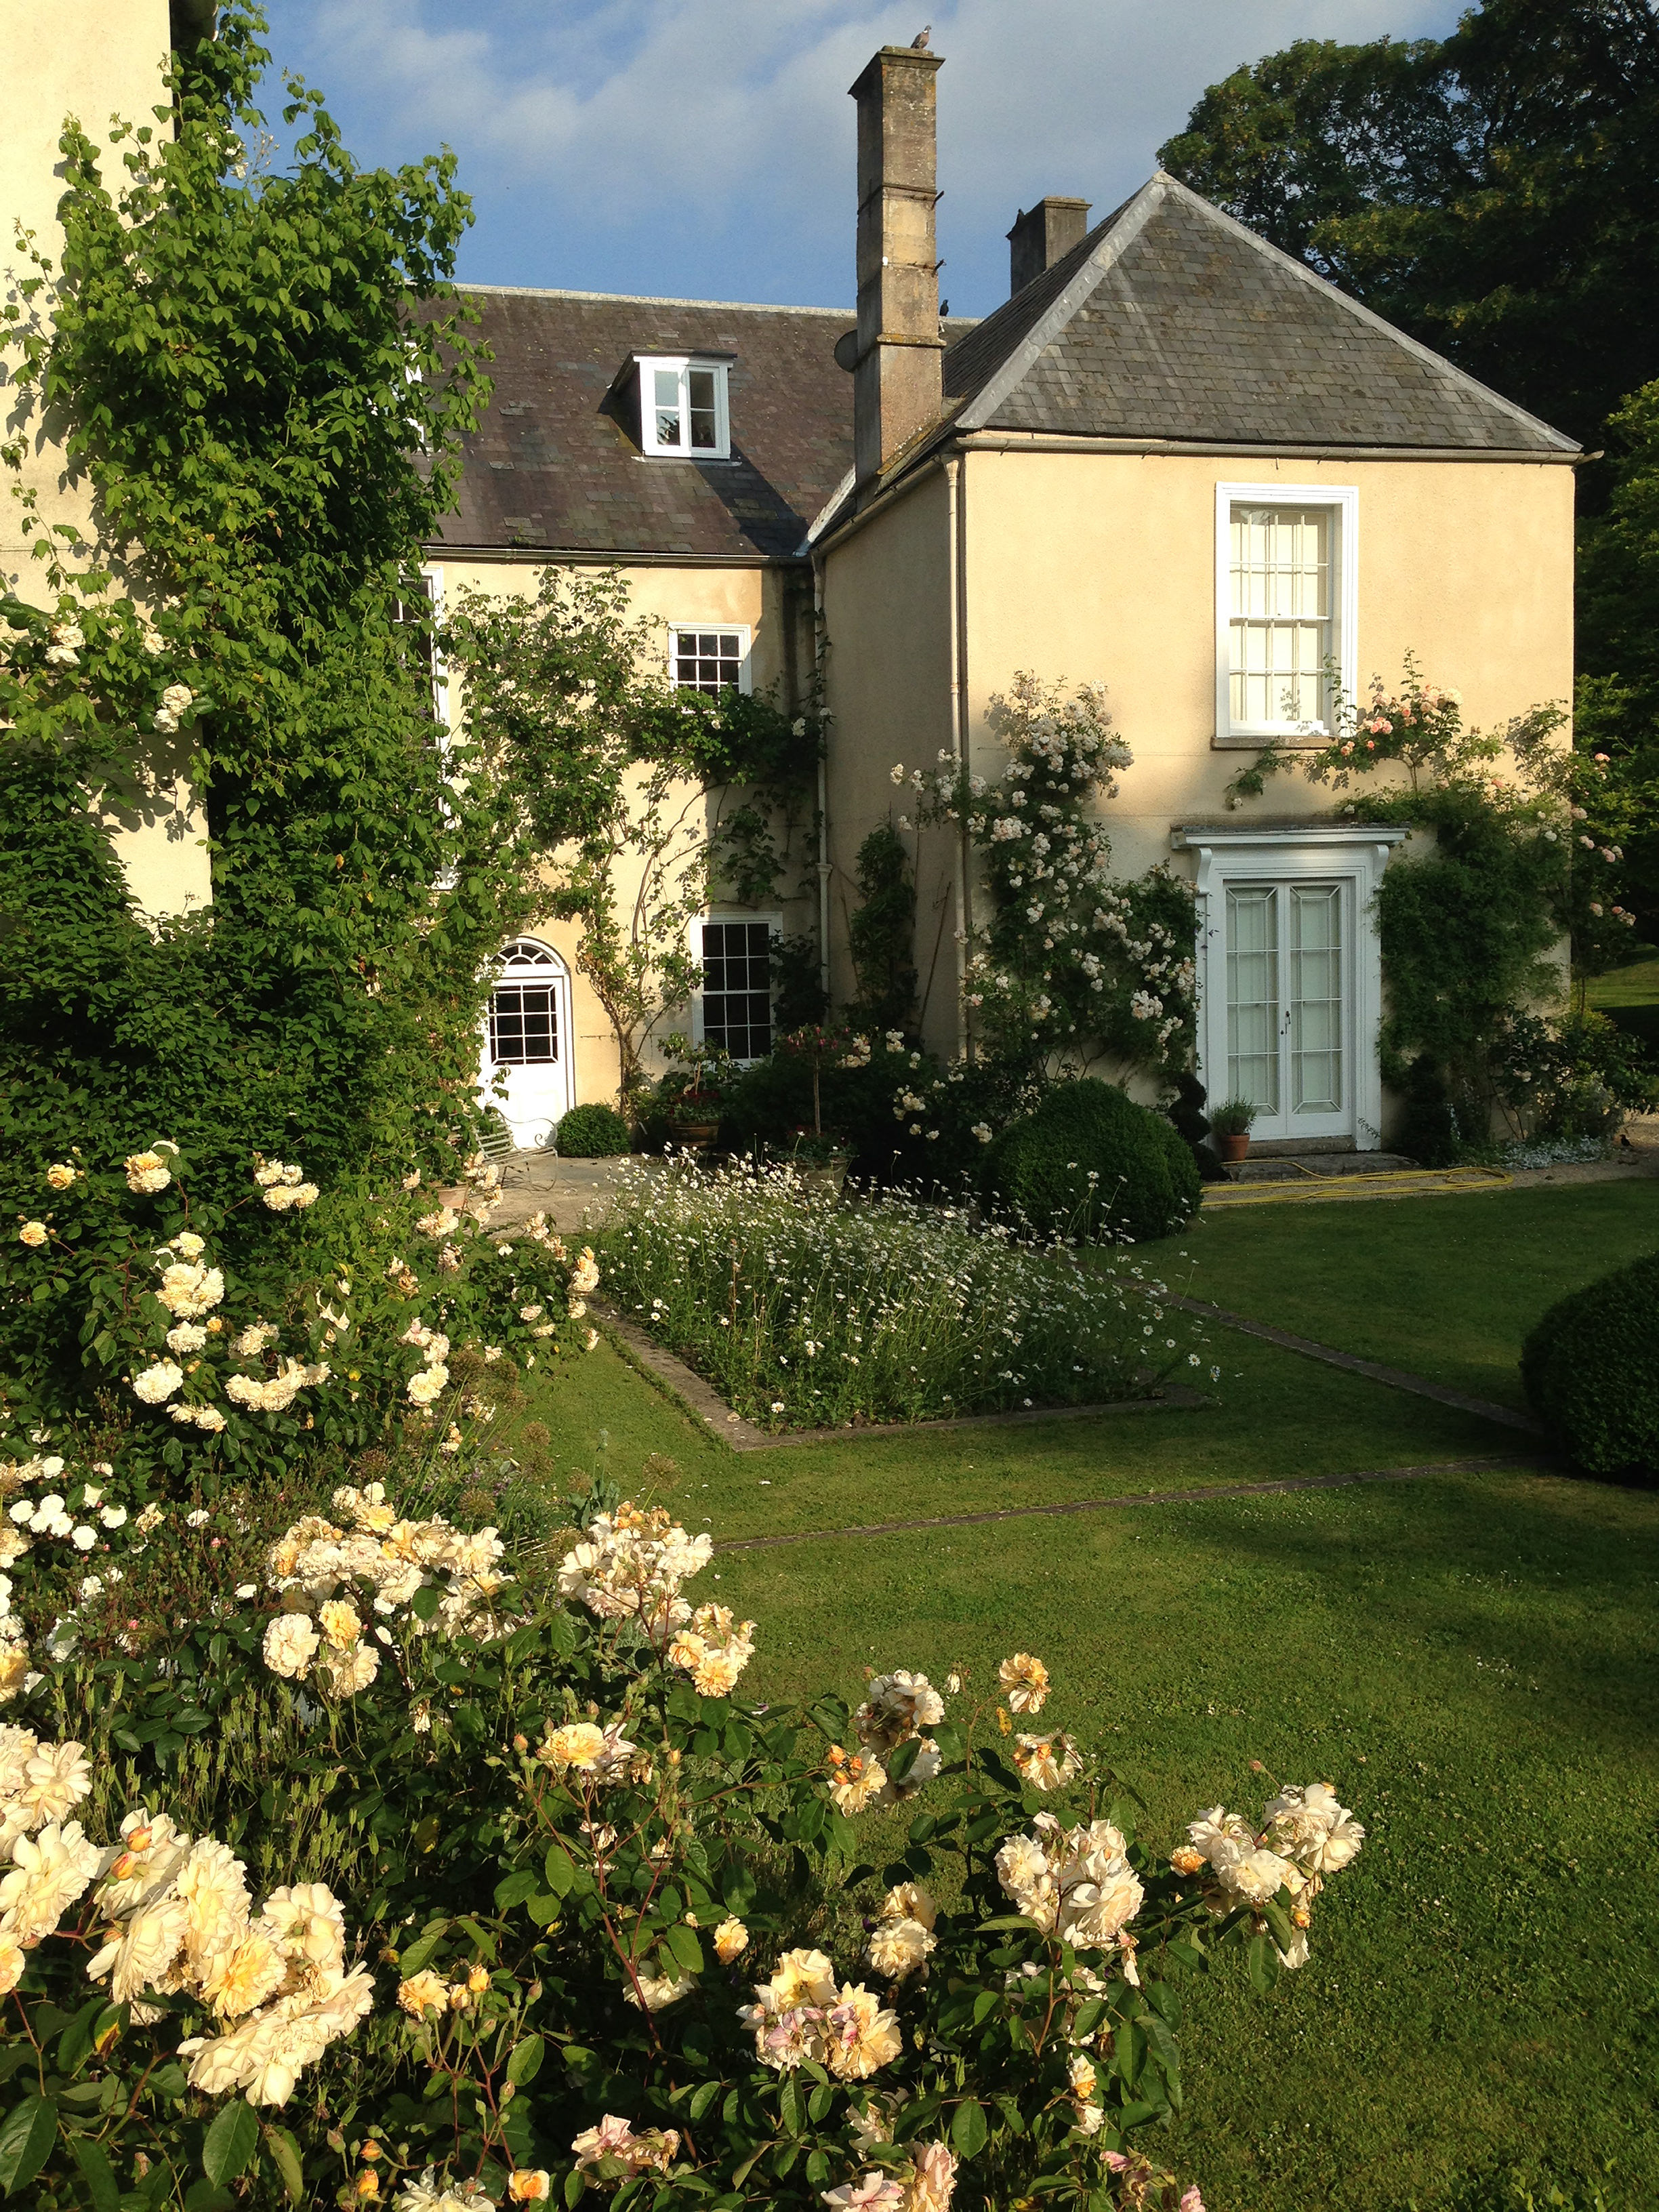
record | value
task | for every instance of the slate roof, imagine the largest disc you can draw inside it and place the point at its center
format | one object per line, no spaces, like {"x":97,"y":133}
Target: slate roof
{"x":1169,"y":320}
{"x":555,"y":464}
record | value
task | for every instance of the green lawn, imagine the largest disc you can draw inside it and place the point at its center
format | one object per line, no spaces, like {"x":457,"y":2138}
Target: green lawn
{"x":1469,"y":1658}
{"x":1445,"y":1287}
{"x":1630,"y":996}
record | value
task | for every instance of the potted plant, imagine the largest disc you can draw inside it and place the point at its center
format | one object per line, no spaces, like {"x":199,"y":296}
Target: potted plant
{"x":818,"y":1157}
{"x":1229,"y":1127}
{"x":692,"y":1096}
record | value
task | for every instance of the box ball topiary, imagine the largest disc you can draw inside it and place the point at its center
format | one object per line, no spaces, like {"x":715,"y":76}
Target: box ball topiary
{"x":593,"y":1133}
{"x":1147,"y":1183}
{"x":1591,"y":1371}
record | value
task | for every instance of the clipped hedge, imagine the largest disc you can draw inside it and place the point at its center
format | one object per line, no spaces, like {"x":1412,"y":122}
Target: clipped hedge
{"x":1591,"y":1371}
{"x":593,"y":1133}
{"x":1092,"y":1163}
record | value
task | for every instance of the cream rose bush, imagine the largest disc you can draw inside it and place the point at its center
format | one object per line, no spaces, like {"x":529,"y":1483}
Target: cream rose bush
{"x":433,"y":1868}
{"x":236,"y":1341}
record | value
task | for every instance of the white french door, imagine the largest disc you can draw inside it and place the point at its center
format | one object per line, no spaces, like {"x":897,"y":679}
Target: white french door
{"x":1289,"y":1006}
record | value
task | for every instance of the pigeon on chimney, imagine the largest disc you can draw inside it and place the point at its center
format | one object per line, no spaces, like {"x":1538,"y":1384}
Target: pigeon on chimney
{"x":919,"y":44}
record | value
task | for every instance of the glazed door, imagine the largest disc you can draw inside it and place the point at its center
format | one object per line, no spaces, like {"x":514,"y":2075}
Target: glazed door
{"x":1290,"y":1000}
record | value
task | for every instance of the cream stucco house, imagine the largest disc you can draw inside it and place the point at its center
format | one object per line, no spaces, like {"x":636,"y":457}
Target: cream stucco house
{"x":1174,"y":462}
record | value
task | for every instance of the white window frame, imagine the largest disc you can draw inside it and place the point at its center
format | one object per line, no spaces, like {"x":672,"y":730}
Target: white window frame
{"x":1343,"y":502}
{"x":1353,"y":856}
{"x":682,"y":364}
{"x":774,"y":924}
{"x":746,"y":675}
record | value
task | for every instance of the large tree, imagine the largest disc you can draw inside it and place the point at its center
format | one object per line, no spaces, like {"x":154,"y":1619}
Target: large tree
{"x":1494,"y":193}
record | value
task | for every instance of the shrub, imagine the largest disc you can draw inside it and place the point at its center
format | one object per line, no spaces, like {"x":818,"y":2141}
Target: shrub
{"x":804,"y":1314}
{"x":1591,"y":1370}
{"x":1428,"y":1132}
{"x":593,"y":1133}
{"x":1090,"y":1163}
{"x":516,"y":1829}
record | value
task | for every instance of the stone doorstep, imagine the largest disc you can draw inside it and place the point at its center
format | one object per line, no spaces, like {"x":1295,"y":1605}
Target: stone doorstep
{"x":711,"y":1411}
{"x":1300,"y":1167}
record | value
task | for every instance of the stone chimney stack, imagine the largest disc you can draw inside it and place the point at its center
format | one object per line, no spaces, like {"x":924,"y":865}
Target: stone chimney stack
{"x":898,"y":384}
{"x":1041,"y":235}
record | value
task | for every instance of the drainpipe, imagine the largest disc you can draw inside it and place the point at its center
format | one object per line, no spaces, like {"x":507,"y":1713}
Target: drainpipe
{"x":956,"y":528}
{"x":823,"y":796}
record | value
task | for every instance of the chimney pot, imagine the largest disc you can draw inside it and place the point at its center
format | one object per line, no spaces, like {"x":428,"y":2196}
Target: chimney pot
{"x":1041,"y":235}
{"x":898,"y":384}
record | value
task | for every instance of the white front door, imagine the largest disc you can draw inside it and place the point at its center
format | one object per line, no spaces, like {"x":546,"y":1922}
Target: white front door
{"x":527,"y":1042}
{"x":1289,"y":1006}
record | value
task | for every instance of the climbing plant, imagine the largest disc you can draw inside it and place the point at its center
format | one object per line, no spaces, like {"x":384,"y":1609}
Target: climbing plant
{"x":639,"y":801}
{"x":262,"y":378}
{"x":1068,"y":962}
{"x":881,"y":933}
{"x":1473,"y":927}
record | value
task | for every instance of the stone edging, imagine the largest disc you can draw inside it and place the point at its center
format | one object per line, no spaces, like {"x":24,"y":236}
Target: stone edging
{"x":1395,"y":1378}
{"x":711,"y":1412}
{"x":1521,"y":1464}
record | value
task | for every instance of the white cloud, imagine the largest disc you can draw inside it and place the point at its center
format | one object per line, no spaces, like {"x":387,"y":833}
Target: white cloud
{"x":706,"y":146}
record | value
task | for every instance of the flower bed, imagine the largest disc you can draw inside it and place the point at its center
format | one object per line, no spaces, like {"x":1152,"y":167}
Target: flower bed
{"x":804,"y":1314}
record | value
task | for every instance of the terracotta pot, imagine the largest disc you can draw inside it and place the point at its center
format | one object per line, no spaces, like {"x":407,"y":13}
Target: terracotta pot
{"x":1234,"y":1146}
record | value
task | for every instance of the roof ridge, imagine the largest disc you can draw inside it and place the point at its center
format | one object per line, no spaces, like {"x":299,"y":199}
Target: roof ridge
{"x":1355,"y":308}
{"x":1111,"y":237}
{"x":655,"y":300}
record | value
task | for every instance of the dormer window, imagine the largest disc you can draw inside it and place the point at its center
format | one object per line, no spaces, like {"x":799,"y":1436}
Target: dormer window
{"x":683,"y":407}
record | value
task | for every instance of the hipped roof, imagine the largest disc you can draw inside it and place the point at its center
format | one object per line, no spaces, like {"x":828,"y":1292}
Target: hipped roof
{"x":1171,"y":321}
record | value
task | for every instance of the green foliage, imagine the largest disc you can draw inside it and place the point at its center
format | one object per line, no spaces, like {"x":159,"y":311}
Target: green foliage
{"x":1090,"y":1163}
{"x":1486,"y":192}
{"x":1591,"y":1370}
{"x":881,"y":933}
{"x":1069,"y":965}
{"x":1467,"y":928}
{"x":593,"y":1133}
{"x":209,"y":1345}
{"x":806,"y":1315}
{"x":610,"y":772}
{"x":263,"y":379}
{"x":1233,"y":1117}
{"x":1616,"y":717}
{"x":799,"y":998}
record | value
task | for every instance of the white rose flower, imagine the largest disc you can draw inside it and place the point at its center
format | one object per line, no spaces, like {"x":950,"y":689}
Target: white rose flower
{"x":33,"y":1233}
{"x":157,"y":1384}
{"x":290,"y":1645}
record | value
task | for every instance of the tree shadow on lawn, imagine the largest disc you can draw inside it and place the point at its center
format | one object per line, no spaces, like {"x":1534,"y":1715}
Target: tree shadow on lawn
{"x":1476,"y":1565}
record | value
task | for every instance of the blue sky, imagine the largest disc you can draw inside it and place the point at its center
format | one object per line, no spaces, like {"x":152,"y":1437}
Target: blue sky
{"x":704,"y":149}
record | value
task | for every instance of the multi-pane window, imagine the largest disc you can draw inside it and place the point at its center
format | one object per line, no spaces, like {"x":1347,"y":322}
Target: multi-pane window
{"x":1281,"y":631}
{"x":414,"y":614}
{"x":736,"y":987}
{"x":524,"y":1014}
{"x":709,"y":659}
{"x":682,"y":409}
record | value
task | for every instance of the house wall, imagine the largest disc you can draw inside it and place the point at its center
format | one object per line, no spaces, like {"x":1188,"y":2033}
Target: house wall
{"x":1099,"y":566}
{"x":887,"y":621}
{"x":758,"y":596}
{"x":95,"y":58}
{"x":1102,"y":567}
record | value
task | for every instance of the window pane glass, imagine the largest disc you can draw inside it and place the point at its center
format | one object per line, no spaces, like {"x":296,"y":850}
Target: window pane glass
{"x":1253,"y":998}
{"x":1315,"y":959}
{"x":1280,"y":632}
{"x":708,"y":661}
{"x":736,"y":991}
{"x":705,"y":420}
{"x":665,"y":385}
{"x":524,"y":1025}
